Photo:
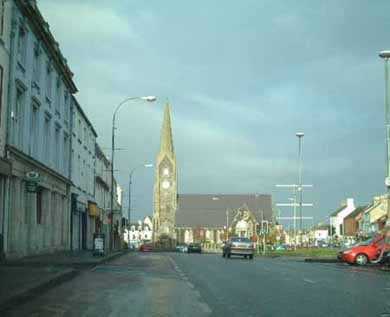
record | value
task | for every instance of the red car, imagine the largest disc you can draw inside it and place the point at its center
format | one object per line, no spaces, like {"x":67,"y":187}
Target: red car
{"x":364,"y":252}
{"x":146,"y":248}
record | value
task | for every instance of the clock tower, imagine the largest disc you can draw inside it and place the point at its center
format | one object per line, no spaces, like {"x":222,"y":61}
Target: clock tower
{"x":165,"y":186}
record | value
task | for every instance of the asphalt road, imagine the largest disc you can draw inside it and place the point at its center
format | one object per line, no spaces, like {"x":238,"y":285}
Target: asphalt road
{"x":162,"y":284}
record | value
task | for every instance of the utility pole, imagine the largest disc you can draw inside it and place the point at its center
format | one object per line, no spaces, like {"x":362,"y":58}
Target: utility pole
{"x":386,"y":56}
{"x":295,"y":204}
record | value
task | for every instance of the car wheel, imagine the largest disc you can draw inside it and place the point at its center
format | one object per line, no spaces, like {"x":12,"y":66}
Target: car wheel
{"x":245,"y":256}
{"x":251,"y":257}
{"x":361,"y":259}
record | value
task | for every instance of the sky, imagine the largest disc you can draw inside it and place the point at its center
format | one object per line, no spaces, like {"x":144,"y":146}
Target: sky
{"x":242,"y":78}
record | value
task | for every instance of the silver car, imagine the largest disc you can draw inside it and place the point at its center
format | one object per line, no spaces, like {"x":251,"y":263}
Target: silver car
{"x":238,"y":246}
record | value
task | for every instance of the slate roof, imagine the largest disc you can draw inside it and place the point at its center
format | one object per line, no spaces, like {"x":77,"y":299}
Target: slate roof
{"x":358,"y":210}
{"x":334,"y":214}
{"x":209,"y":210}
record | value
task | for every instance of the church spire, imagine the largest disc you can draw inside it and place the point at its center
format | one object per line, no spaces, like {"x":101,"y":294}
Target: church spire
{"x":166,"y":132}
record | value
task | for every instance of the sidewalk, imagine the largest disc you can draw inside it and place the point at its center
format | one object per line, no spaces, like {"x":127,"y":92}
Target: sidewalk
{"x":66,"y":258}
{"x":24,"y":278}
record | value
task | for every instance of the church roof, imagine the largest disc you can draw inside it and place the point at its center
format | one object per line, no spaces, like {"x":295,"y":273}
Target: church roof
{"x":208,"y":210}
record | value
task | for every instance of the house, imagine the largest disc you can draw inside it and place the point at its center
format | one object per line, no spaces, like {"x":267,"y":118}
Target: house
{"x":351,"y":222}
{"x":337,"y":217}
{"x":375,"y":216}
{"x":139,"y":232}
{"x":319,"y":233}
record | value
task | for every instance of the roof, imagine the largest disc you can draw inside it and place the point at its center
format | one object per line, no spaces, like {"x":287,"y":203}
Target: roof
{"x":357,"y":211}
{"x":209,"y":210}
{"x":84,"y":115}
{"x":334,"y":214}
{"x":42,"y":31}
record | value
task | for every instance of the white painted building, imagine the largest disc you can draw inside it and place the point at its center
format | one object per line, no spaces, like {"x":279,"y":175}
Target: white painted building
{"x":84,"y":214}
{"x":337,"y":217}
{"x":139,"y":233}
{"x":5,"y":166}
{"x":39,"y":135}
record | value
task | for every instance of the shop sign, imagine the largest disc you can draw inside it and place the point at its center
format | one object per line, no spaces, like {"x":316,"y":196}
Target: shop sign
{"x":32,"y":181}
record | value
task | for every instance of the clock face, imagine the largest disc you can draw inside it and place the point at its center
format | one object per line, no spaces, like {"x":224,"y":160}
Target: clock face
{"x":166,"y":184}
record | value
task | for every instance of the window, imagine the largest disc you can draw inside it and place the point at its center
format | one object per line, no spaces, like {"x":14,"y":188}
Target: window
{"x":2,"y":8}
{"x":57,"y":148}
{"x":1,"y":89}
{"x":46,"y":139}
{"x":48,"y":80}
{"x":39,"y":206}
{"x":36,"y":63}
{"x":58,"y":96}
{"x":17,"y":116}
{"x":21,"y":45}
{"x":33,"y":145}
{"x":79,"y":130}
{"x":66,"y":153}
{"x":66,"y":106}
{"x":85,"y":136}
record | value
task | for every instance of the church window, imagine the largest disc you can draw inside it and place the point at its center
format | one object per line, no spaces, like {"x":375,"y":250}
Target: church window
{"x":166,"y":171}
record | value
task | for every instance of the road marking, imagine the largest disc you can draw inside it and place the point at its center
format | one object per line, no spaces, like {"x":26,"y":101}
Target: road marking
{"x":190,"y":284}
{"x":308,"y":281}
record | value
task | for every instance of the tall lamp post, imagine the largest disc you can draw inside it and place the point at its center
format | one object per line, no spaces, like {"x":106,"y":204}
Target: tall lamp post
{"x":147,"y":98}
{"x":386,"y":56}
{"x":130,"y":182}
{"x":300,"y":167}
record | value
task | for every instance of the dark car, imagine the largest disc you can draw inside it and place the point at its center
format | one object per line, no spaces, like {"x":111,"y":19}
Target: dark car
{"x":194,"y":248}
{"x":238,"y":246}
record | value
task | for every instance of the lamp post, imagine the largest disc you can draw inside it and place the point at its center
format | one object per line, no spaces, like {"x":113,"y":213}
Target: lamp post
{"x":147,"y":98}
{"x":386,"y":56}
{"x":130,"y":182}
{"x":300,"y":167}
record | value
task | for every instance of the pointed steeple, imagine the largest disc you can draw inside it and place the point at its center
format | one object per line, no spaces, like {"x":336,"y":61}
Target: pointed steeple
{"x":166,"y":132}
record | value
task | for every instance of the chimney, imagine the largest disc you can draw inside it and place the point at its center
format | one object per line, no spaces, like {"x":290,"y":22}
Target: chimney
{"x":350,"y":202}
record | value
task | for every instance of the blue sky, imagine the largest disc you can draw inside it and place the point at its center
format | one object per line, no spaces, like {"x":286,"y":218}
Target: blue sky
{"x":242,"y":77}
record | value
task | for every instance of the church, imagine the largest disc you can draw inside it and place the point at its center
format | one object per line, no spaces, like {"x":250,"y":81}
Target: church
{"x":205,"y":218}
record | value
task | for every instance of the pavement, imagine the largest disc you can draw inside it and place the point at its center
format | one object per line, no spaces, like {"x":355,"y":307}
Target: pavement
{"x":178,"y":284}
{"x":24,"y":278}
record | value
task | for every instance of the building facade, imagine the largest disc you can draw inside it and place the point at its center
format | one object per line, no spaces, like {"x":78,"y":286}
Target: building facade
{"x":211,"y":219}
{"x":5,"y":166}
{"x":139,"y":233}
{"x":39,"y":135}
{"x":165,"y":186}
{"x":102,"y":191}
{"x":84,"y":214}
{"x":337,"y":217}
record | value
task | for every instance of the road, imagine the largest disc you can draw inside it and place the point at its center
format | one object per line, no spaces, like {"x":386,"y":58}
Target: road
{"x":170,"y":284}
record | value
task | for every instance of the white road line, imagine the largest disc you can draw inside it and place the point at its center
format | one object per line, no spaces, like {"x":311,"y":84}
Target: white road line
{"x":308,"y":281}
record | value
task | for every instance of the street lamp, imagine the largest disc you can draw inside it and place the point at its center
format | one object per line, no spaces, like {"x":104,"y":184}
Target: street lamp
{"x":386,"y":56}
{"x":146,"y":98}
{"x":130,"y":182}
{"x":300,"y":167}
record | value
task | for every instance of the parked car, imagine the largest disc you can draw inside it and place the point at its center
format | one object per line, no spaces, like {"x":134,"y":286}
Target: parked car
{"x":194,"y":248}
{"x":364,"y":252}
{"x":182,"y":248}
{"x":280,"y":247}
{"x":147,"y":247}
{"x":238,"y":246}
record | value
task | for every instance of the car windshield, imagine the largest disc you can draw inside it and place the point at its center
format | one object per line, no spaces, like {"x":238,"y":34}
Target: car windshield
{"x":240,"y":240}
